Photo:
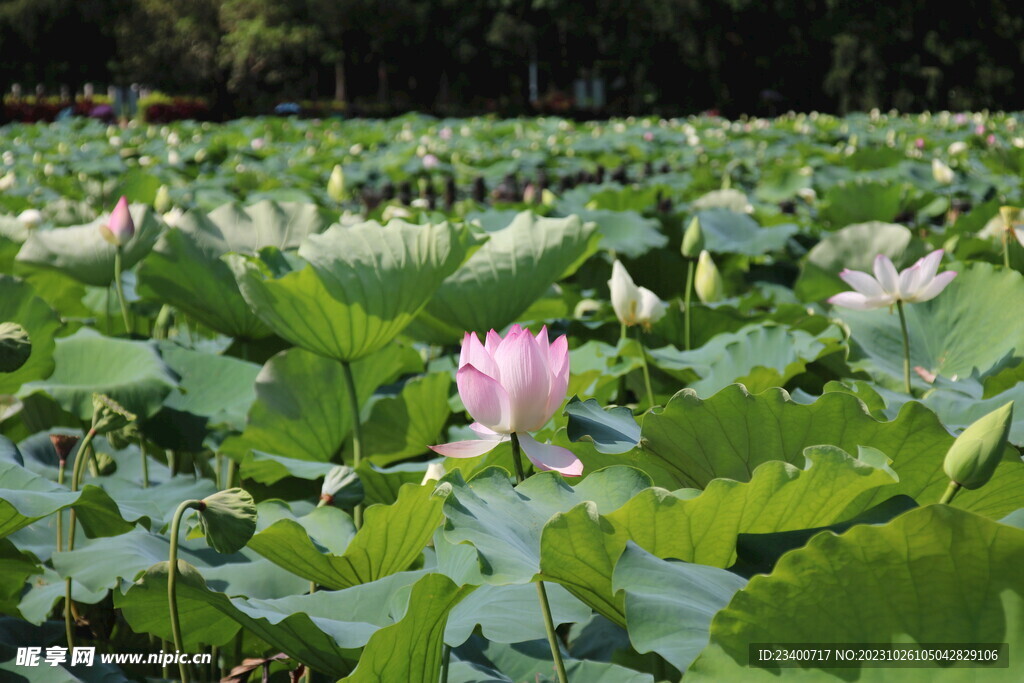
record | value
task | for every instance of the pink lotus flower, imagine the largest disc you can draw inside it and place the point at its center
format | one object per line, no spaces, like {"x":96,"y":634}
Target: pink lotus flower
{"x":919,"y":143}
{"x":120,"y":227}
{"x":914,"y":284}
{"x":513,"y":385}
{"x":430,"y":161}
{"x":649,"y":136}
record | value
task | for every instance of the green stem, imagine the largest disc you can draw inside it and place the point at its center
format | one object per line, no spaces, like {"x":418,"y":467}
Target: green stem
{"x":446,"y":658}
{"x":163,"y":322}
{"x":76,"y":478}
{"x":1006,"y":248}
{"x":542,"y":595}
{"x":60,"y":513}
{"x":951,"y":491}
{"x":232,"y":465}
{"x":517,"y":458}
{"x":906,"y":348}
{"x":120,"y":292}
{"x":145,"y":463}
{"x":172,"y":580}
{"x":686,"y":303}
{"x":357,"y":434}
{"x":647,"y":372}
{"x":549,"y":626}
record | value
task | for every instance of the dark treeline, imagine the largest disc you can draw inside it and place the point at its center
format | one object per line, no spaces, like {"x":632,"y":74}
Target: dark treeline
{"x":453,"y":56}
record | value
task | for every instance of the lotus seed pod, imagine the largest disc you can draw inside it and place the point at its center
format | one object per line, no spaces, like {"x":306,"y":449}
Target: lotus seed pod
{"x":973,"y":457}
{"x":228,"y":519}
{"x":693,"y":239}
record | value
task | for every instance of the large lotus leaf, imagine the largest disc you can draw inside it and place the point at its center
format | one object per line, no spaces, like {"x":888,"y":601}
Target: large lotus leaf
{"x":933,"y":575}
{"x":580,"y":547}
{"x":729,"y":232}
{"x":362,"y":286}
{"x":402,"y":426}
{"x":511,"y":614}
{"x":185,"y":269}
{"x":669,"y":604}
{"x":26,"y":497}
{"x":16,"y":566}
{"x":612,"y":430}
{"x":503,"y":522}
{"x":853,"y":247}
{"x":20,"y":305}
{"x":316,"y":629}
{"x":965,"y":328}
{"x":493,"y":662}
{"x":861,"y":201}
{"x":302,"y":409}
{"x":626,"y":232}
{"x":390,"y":540}
{"x":513,"y":269}
{"x":82,"y":253}
{"x":418,"y":636}
{"x":219,"y":388}
{"x":693,"y":441}
{"x":130,"y":372}
{"x":758,"y":356}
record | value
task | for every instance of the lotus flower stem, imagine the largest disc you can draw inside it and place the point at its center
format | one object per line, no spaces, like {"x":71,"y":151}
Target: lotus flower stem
{"x":643,"y":365}
{"x":686,"y":303}
{"x":120,"y":291}
{"x":517,"y":458}
{"x":906,"y":348}
{"x":1006,"y":249}
{"x":446,"y":658}
{"x":542,"y":594}
{"x":357,"y":434}
{"x":951,"y":491}
{"x":172,"y":580}
{"x":145,"y":463}
{"x":549,"y":626}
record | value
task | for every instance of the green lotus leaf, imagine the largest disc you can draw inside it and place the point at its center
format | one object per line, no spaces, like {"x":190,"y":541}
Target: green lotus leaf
{"x":20,"y":306}
{"x":354,"y":288}
{"x":390,"y":540}
{"x":693,"y":441}
{"x":516,"y":266}
{"x":185,"y":269}
{"x":302,"y":410}
{"x":861,"y":201}
{"x":502,"y":522}
{"x":729,"y":232}
{"x":580,"y":547}
{"x":15,"y":347}
{"x":759,"y":356}
{"x":130,"y":372}
{"x":933,"y":575}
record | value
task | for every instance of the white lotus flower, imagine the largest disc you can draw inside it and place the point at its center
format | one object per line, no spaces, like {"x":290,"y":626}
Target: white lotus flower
{"x":917,"y":283}
{"x":633,"y":305}
{"x":943,"y":174}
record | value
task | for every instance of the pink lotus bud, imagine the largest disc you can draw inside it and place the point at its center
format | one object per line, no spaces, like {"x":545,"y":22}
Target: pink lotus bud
{"x":446,"y":133}
{"x":430,"y":161}
{"x":120,"y":227}
{"x":919,"y":143}
{"x":979,"y":129}
{"x":991,"y":139}
{"x":649,"y":136}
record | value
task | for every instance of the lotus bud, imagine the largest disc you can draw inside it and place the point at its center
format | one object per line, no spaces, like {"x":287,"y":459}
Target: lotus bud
{"x":228,"y":519}
{"x":693,"y":239}
{"x":337,"y":478}
{"x":707,"y":280}
{"x":943,"y":174}
{"x":162,"y":202}
{"x":336,"y":184}
{"x":30,"y":218}
{"x":15,"y":347}
{"x":435,"y":471}
{"x":120,"y":228}
{"x":973,"y":457}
